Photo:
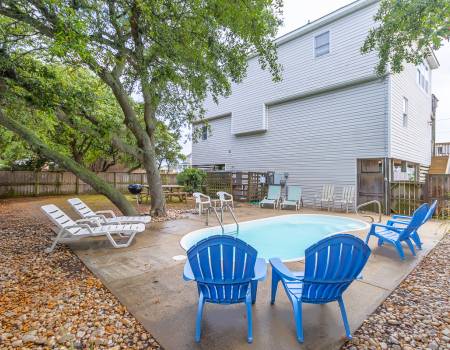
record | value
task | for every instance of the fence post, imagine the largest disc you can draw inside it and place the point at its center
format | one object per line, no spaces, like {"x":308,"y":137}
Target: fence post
{"x":114,"y":179}
{"x":36,"y":183}
{"x":77,"y":185}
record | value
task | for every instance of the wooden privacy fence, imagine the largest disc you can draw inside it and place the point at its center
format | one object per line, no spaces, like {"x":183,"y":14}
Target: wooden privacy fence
{"x":407,"y":196}
{"x":437,"y":187}
{"x":31,"y":183}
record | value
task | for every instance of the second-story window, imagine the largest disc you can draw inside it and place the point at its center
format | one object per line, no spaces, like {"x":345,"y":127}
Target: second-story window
{"x":405,"y":112}
{"x":204,"y":132}
{"x":322,"y":44}
{"x":423,"y":77}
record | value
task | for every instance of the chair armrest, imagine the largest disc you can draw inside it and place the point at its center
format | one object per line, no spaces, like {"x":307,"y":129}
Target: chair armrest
{"x":406,"y":217}
{"x":188,"y":275}
{"x":260,"y":270}
{"x":88,"y":221}
{"x":405,"y":223}
{"x":99,"y":216}
{"x":87,"y":227}
{"x":393,"y":228}
{"x":110,"y":212}
{"x":282,"y":270}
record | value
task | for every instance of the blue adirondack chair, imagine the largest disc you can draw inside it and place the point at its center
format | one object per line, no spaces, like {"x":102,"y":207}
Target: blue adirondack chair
{"x":227,"y":271}
{"x":331,"y":265}
{"x":404,"y":220}
{"x":396,"y":235}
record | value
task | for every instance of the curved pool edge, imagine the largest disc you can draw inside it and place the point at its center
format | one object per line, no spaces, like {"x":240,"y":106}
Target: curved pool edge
{"x":182,"y":241}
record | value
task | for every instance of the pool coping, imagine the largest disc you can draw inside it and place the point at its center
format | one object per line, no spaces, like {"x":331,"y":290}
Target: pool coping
{"x":366,"y":226}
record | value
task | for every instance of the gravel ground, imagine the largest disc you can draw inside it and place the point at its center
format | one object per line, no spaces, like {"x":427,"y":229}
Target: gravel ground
{"x":54,"y":301}
{"x":417,"y":314}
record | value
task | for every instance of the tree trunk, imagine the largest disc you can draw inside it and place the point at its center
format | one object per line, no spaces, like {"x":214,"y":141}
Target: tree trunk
{"x":158,"y":201}
{"x":144,"y":140}
{"x":84,"y":174}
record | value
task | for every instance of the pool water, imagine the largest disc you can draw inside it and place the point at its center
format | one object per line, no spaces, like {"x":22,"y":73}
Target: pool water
{"x":286,"y":236}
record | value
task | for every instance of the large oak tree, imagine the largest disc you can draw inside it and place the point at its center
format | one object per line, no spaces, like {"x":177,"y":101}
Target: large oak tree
{"x":169,"y":53}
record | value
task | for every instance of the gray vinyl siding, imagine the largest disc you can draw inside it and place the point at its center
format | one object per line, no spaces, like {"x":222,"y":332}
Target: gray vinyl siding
{"x":215,"y":149}
{"x":316,"y":139}
{"x":411,"y":143}
{"x":302,"y":72}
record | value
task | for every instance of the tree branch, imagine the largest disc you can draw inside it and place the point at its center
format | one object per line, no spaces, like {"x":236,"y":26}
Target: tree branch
{"x":126,"y":148}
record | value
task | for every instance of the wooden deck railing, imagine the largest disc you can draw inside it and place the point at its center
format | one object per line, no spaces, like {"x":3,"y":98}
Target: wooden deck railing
{"x":442,"y":149}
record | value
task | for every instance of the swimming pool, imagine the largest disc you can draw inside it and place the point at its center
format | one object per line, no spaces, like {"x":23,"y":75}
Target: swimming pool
{"x":285,"y":236}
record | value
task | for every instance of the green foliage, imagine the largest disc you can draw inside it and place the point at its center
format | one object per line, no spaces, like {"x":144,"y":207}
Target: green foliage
{"x":68,"y":108}
{"x":409,"y":30}
{"x":192,"y":179}
{"x":171,"y":54}
{"x":176,"y":50}
{"x":167,"y":148}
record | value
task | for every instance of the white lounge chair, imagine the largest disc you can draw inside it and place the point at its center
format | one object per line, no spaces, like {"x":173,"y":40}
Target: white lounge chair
{"x":225,"y":199}
{"x":348,"y":197}
{"x":273,"y":196}
{"x":326,"y":197}
{"x":86,"y":213}
{"x":294,"y":197}
{"x":70,"y":230}
{"x":202,"y":202}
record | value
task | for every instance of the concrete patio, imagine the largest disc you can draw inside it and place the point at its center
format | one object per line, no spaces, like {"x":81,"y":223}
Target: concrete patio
{"x":148,"y":281}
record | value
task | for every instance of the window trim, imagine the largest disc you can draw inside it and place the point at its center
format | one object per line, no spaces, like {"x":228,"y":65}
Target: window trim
{"x":405,"y":111}
{"x":423,"y":77}
{"x":329,"y":43}
{"x":204,"y":132}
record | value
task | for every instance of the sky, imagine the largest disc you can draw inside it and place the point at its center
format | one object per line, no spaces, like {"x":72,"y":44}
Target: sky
{"x":297,"y":13}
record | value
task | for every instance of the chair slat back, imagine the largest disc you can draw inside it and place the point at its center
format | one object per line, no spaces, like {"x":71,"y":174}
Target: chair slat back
{"x":431,"y":210}
{"x":417,"y":219}
{"x":327,"y":192}
{"x":274,"y":192}
{"x":57,"y":216}
{"x":294,"y":193}
{"x":331,"y":265}
{"x":348,"y":194}
{"x":80,"y":207}
{"x":198,"y":196}
{"x":222,"y":195}
{"x":223,"y":267}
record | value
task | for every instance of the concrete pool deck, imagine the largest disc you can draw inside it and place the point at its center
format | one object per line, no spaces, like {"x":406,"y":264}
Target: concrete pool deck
{"x":148,"y":281}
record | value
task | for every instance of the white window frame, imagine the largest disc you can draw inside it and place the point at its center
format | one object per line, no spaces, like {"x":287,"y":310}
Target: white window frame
{"x":329,"y":43}
{"x":423,"y":77}
{"x":204,"y":132}
{"x":405,"y":113}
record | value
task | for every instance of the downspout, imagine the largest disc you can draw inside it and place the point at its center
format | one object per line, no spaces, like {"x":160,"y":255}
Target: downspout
{"x":387,"y":159}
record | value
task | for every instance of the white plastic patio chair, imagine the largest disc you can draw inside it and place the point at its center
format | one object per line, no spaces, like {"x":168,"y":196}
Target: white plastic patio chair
{"x":348,"y":197}
{"x":226,"y":199}
{"x":70,"y":230}
{"x":86,"y":213}
{"x":202,"y":202}
{"x":326,"y":197}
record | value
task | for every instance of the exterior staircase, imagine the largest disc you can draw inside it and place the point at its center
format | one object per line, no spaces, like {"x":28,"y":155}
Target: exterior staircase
{"x":440,"y":165}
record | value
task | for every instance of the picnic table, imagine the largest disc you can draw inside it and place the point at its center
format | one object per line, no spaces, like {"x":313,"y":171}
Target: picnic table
{"x":171,"y":191}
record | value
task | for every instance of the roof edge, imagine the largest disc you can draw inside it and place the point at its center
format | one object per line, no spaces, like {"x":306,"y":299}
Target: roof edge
{"x":433,"y":61}
{"x":328,"y":18}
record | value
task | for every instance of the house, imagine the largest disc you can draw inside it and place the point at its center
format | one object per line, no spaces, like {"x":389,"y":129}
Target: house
{"x":331,"y":119}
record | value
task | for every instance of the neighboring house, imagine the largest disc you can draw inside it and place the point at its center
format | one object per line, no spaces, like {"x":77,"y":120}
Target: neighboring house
{"x":331,"y":119}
